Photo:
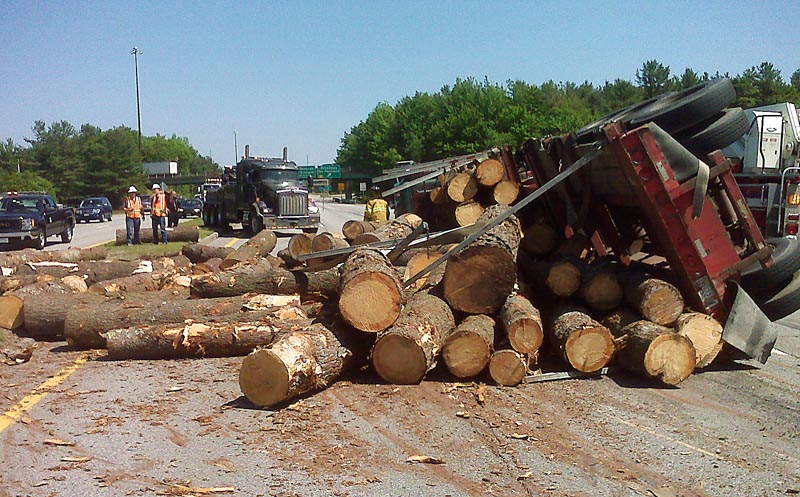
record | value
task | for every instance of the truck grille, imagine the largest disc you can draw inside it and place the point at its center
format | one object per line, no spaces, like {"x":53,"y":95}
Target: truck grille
{"x":292,"y":203}
{"x":10,"y":224}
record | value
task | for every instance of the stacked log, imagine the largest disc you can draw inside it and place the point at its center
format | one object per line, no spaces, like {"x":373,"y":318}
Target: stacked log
{"x":469,"y":347}
{"x":260,"y":245}
{"x":353,"y":229}
{"x":583,"y":343}
{"x":261,"y":277}
{"x":705,"y":333}
{"x":657,"y":352}
{"x":508,"y":367}
{"x":370,"y":293}
{"x":198,"y":252}
{"x":396,"y":229}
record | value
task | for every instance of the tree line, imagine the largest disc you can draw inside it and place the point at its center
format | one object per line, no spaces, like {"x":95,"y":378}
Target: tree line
{"x":72,"y":163}
{"x":473,"y":115}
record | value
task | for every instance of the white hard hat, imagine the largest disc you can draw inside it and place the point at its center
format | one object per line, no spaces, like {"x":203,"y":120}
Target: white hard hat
{"x":156,"y":186}
{"x":132,"y":189}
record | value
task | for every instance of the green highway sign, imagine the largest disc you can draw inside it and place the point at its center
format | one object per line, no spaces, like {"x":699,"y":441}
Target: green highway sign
{"x":326,"y":171}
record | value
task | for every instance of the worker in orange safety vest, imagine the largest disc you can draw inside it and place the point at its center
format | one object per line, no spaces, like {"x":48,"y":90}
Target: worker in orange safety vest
{"x":133,"y":216}
{"x":158,"y":213}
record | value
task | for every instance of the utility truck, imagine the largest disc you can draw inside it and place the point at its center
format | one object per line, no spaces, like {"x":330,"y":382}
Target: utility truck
{"x":259,"y":193}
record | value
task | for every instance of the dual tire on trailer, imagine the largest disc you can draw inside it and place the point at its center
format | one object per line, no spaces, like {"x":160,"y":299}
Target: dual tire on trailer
{"x":776,"y":289}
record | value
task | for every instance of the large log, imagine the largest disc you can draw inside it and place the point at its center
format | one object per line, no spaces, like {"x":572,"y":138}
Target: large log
{"x":198,"y":339}
{"x":261,"y":277}
{"x":417,"y":263}
{"x":583,"y":343}
{"x":299,"y":244}
{"x":490,"y":172}
{"x":13,"y":259}
{"x":142,"y":282}
{"x":404,"y":353}
{"x":467,"y":350}
{"x":480,"y":278}
{"x":93,"y":272}
{"x":370,"y":292}
{"x":181,"y":233}
{"x":507,"y":367}
{"x":12,"y":305}
{"x":468,"y":212}
{"x":198,"y":252}
{"x":300,"y":361}
{"x":599,"y":287}
{"x":705,"y":332}
{"x":260,"y":245}
{"x":13,"y":282}
{"x":522,"y":324}
{"x":353,"y":229}
{"x":505,"y":192}
{"x":539,"y":239}
{"x":397,"y":228}
{"x":657,"y":300}
{"x":462,"y":187}
{"x":327,"y":241}
{"x":657,"y":351}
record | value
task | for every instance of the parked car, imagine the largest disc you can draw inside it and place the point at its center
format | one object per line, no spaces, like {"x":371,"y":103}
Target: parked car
{"x":146,"y":203}
{"x":190,"y":207}
{"x":29,"y":218}
{"x":98,"y":208}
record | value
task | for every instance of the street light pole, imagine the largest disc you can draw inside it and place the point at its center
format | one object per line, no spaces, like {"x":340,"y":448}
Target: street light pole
{"x":135,"y":52}
{"x":236,"y":146}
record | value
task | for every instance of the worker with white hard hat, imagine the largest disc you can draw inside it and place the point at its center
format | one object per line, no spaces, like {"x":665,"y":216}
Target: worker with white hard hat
{"x":158,"y":214}
{"x":133,"y":216}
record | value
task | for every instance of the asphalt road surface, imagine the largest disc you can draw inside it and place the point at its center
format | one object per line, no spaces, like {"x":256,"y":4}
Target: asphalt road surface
{"x":77,"y":424}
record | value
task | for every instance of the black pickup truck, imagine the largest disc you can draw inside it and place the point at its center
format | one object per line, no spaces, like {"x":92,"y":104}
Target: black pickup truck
{"x":28,"y":218}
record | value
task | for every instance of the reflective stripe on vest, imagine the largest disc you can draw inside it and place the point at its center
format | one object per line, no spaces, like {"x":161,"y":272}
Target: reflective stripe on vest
{"x":133,"y":208}
{"x":159,"y":206}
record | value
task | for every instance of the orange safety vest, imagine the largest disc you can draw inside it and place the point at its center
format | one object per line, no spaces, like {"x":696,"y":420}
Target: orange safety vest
{"x":377,"y":210}
{"x":159,"y":207}
{"x":133,"y":208}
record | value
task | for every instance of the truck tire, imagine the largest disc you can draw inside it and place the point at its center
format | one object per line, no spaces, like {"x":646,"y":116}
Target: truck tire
{"x":66,"y":235}
{"x":590,"y":132}
{"x":764,"y":283}
{"x":718,"y":132}
{"x":41,"y":242}
{"x":679,"y":111}
{"x":256,"y":223}
{"x":785,"y":302}
{"x":206,"y":217}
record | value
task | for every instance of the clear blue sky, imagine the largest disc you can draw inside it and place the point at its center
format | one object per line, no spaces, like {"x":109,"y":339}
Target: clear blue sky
{"x":301,"y":74}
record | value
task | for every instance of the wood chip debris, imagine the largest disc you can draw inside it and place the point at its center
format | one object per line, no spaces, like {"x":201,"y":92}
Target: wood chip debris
{"x":463,"y":414}
{"x":520,"y":436}
{"x":58,"y":441}
{"x":424,"y":459}
{"x":76,"y":459}
{"x":176,"y":489}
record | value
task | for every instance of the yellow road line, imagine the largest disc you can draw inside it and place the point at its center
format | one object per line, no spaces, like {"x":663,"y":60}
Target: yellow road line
{"x":14,"y":414}
{"x":101,"y":243}
{"x":232,"y":242}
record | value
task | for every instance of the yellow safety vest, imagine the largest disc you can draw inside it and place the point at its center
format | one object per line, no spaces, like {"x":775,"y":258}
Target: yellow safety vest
{"x":377,"y":210}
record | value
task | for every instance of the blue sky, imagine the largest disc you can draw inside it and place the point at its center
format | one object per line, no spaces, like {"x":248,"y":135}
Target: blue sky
{"x":300,"y":74}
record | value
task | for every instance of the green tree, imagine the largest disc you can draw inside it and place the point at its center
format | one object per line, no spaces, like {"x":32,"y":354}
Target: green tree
{"x":653,"y":78}
{"x":25,"y":181}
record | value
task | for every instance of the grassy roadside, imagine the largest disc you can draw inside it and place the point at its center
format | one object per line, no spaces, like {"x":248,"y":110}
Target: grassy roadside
{"x":150,"y":249}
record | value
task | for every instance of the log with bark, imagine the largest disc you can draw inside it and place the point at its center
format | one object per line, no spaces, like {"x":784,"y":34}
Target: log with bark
{"x":539,"y":239}
{"x":299,"y":244}
{"x":259,"y":245}
{"x":490,"y":172}
{"x":181,"y":233}
{"x":657,"y":352}
{"x":522,"y":324}
{"x":300,"y":361}
{"x":468,"y":212}
{"x":600,"y":289}
{"x":705,"y":332}
{"x":505,"y":192}
{"x":142,"y":282}
{"x":397,"y":228}
{"x":438,"y":195}
{"x":404,"y":353}
{"x":209,"y":266}
{"x":467,"y":350}
{"x":198,"y":252}
{"x":18,"y":258}
{"x":417,"y":263}
{"x":93,"y":272}
{"x":561,"y":278}
{"x":583,"y":343}
{"x":353,"y":229}
{"x":13,"y":282}
{"x":262,"y":277}
{"x":370,"y":292}
{"x":12,"y":305}
{"x":480,"y":277}
{"x":507,"y":367}
{"x":327,"y":241}
{"x":462,"y":187}
{"x":657,"y":300}
{"x":202,"y":339}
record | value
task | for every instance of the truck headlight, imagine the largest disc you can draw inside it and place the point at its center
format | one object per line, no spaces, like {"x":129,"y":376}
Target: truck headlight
{"x":28,"y":224}
{"x":313,"y":209}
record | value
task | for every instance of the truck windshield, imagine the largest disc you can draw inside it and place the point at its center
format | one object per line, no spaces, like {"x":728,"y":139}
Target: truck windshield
{"x":277,"y":175}
{"x":17,"y":204}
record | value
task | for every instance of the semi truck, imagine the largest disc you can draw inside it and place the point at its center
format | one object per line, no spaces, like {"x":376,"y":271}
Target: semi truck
{"x":261,"y":193}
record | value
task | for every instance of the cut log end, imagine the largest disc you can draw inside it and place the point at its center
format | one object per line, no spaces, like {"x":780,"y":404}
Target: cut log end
{"x":705,"y":333}
{"x":264,"y":378}
{"x":507,"y":368}
{"x":466,"y":354}
{"x":525,"y":335}
{"x":363,"y":302}
{"x":399,"y":360}
{"x":670,"y":358}
{"x":564,"y":279}
{"x":590,"y":349}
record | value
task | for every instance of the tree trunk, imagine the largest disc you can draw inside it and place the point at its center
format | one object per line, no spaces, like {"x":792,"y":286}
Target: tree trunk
{"x":705,"y":333}
{"x":508,"y":367}
{"x":209,"y":266}
{"x":462,"y":187}
{"x":18,"y":258}
{"x":490,"y":172}
{"x":261,"y":277}
{"x":582,"y":342}
{"x":480,"y":278}
{"x":404,"y":353}
{"x":468,"y":212}
{"x":182,"y":233}
{"x":599,"y":287}
{"x":561,"y":278}
{"x":300,"y":245}
{"x":12,"y":305}
{"x":522,"y":324}
{"x":260,"y":245}
{"x":327,"y":241}
{"x":300,"y":361}
{"x":98,"y":271}
{"x":657,"y":352}
{"x":194,"y":339}
{"x":539,"y":239}
{"x":505,"y":192}
{"x":370,"y":293}
{"x":420,"y":261}
{"x":143,"y":282}
{"x":657,"y":300}
{"x":197,"y":252}
{"x":467,"y":350}
{"x":353,"y":229}
{"x":438,"y":195}
{"x":397,"y":228}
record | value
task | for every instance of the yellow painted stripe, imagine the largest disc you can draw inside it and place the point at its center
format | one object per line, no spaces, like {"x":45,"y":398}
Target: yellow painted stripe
{"x":98,"y":244}
{"x":232,"y":242}
{"x":14,"y":414}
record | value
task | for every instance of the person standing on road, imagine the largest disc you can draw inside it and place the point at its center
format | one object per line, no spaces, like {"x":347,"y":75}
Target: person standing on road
{"x":377,"y":209}
{"x":158,"y":213}
{"x":172,"y":209}
{"x":133,"y":216}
